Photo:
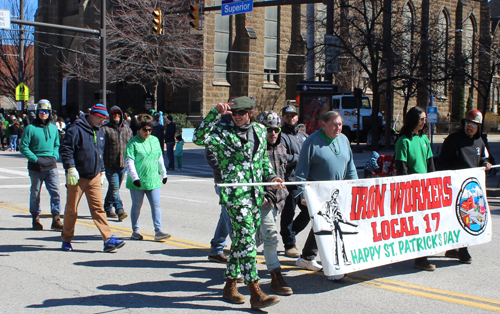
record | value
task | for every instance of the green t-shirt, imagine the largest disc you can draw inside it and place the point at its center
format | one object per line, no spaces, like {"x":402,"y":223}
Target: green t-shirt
{"x":414,"y":152}
{"x":145,"y":154}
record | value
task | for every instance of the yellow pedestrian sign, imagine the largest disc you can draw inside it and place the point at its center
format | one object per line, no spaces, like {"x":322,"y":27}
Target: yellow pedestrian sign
{"x":22,"y":92}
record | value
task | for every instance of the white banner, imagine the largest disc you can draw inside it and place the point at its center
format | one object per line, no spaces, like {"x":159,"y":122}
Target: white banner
{"x":361,"y":224}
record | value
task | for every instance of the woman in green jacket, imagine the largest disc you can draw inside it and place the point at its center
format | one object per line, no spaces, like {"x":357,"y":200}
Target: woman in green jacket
{"x":144,"y":159}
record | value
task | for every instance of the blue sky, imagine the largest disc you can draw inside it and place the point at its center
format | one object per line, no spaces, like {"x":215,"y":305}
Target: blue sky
{"x":6,"y":4}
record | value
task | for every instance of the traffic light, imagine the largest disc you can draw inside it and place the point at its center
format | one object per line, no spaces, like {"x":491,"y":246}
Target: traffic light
{"x":195,"y":15}
{"x":157,"y":22}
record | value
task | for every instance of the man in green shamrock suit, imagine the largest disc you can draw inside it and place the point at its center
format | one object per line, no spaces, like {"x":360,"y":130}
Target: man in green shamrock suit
{"x":240,"y":149}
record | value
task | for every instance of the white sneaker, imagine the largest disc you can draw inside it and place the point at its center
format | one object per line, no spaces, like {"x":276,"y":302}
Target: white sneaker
{"x":336,"y":277}
{"x":311,"y":265}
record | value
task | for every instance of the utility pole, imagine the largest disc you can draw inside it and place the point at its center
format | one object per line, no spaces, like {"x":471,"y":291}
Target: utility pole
{"x":21,"y":48}
{"x":103,"y":52}
{"x":329,"y":31}
{"x":389,"y":65}
{"x":310,"y":43}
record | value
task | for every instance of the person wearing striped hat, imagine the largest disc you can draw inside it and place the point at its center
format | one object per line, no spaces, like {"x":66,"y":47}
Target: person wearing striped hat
{"x":82,"y":157}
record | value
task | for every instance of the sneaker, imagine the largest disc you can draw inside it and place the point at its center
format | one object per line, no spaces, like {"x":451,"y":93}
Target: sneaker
{"x":111,"y":215}
{"x":219,"y":258}
{"x":160,"y":235}
{"x":423,"y":264}
{"x":451,"y":253}
{"x":336,"y":277}
{"x":464,"y":256}
{"x":292,"y":252}
{"x":66,"y":246}
{"x":136,"y":235}
{"x":122,"y":215}
{"x":113,"y":244}
{"x":310,"y":265}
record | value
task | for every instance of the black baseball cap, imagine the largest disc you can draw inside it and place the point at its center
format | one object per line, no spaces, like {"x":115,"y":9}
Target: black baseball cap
{"x":289,"y":109}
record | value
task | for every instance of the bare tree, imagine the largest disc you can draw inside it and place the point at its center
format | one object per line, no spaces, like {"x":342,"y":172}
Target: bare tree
{"x":14,"y":71}
{"x":138,"y":55}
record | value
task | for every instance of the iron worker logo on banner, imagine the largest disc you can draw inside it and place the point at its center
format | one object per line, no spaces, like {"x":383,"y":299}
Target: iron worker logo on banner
{"x":471,"y":207}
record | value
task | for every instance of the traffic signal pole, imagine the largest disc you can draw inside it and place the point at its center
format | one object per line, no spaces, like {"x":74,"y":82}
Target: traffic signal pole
{"x":101,"y":33}
{"x":103,"y":52}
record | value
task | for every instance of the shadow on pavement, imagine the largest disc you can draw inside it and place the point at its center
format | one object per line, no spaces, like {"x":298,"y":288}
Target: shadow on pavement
{"x":138,"y":301}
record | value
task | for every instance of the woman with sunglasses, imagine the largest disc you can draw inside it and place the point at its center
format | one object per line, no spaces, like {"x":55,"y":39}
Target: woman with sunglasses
{"x":413,"y":154}
{"x":240,"y":147}
{"x":144,"y":160}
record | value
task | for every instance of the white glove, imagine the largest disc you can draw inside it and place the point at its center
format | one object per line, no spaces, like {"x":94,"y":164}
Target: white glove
{"x":103,"y":177}
{"x":72,"y":177}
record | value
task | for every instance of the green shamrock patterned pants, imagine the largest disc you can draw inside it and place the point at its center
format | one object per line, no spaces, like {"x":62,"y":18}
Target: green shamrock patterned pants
{"x":245,"y":222}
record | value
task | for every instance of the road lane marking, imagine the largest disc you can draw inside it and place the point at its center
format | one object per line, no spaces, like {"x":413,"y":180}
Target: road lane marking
{"x":370,"y":281}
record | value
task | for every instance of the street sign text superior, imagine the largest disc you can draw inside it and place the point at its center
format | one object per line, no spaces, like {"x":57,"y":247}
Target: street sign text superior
{"x":245,"y":6}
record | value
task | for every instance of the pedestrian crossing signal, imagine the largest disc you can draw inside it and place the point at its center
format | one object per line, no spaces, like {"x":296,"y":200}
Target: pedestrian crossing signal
{"x":195,"y":15}
{"x":157,"y":22}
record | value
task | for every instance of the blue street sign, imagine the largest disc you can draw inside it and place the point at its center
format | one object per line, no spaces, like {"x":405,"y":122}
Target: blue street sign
{"x":231,"y":7}
{"x":432,"y":114}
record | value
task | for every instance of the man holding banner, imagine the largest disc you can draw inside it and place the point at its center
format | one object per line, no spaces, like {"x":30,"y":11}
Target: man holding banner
{"x":460,"y":150}
{"x":325,"y":156}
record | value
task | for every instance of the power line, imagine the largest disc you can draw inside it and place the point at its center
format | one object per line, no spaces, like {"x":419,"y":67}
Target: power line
{"x":144,"y":65}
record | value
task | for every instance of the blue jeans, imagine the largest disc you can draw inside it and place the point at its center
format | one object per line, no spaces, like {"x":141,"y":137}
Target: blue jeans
{"x":154,"y":201}
{"x":114,"y":175}
{"x":222,"y":231}
{"x":269,"y":232}
{"x":13,"y":142}
{"x":51,"y":179}
{"x":170,"y":155}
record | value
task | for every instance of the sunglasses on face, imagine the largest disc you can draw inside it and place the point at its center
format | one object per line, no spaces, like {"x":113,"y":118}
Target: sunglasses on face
{"x":147,"y":129}
{"x":470,"y":123}
{"x":239,"y":113}
{"x":44,"y":111}
{"x":275,"y":130}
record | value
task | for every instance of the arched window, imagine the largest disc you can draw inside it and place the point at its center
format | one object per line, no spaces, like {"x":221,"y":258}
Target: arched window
{"x":441,"y":61}
{"x":408,"y":33}
{"x":469,"y":34}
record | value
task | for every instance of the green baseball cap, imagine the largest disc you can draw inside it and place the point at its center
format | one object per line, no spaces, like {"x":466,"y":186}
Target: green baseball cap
{"x":243,"y":103}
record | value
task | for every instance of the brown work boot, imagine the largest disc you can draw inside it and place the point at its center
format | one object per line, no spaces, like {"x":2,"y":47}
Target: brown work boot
{"x":231,"y":292}
{"x":56,"y":223}
{"x":259,"y":299}
{"x":36,"y":222}
{"x":292,"y":252}
{"x":278,"y":283}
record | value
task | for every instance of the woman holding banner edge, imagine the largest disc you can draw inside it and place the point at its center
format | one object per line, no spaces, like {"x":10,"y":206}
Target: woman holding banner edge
{"x":413,"y":154}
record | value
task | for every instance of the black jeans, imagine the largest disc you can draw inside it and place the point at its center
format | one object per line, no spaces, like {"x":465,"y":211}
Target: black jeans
{"x":290,"y":227}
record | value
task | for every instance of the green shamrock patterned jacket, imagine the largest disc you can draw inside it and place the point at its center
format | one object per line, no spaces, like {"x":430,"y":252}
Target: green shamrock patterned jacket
{"x":234,"y":158}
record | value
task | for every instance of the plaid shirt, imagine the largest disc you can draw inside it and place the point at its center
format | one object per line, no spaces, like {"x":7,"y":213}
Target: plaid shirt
{"x":116,"y":139}
{"x":278,"y":159}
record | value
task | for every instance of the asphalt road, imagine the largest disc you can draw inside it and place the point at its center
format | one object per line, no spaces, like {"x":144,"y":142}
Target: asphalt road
{"x":174,"y":276}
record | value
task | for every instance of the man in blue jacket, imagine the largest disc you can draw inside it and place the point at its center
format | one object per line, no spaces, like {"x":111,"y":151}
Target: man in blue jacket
{"x":82,"y":157}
